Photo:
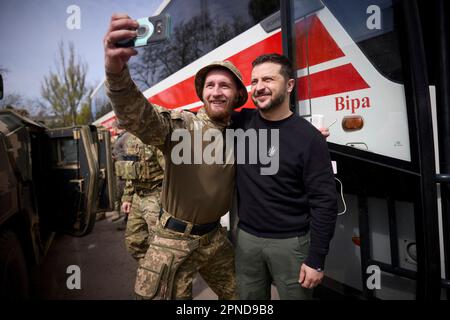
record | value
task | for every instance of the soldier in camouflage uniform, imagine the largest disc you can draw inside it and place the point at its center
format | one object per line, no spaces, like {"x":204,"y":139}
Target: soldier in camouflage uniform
{"x":188,"y":238}
{"x":144,"y":173}
{"x":118,"y":153}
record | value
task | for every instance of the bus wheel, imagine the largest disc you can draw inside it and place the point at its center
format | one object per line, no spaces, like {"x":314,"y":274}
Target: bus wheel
{"x":13,"y":269}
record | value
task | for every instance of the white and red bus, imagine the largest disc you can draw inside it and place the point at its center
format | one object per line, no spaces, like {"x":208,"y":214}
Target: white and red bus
{"x":378,"y":70}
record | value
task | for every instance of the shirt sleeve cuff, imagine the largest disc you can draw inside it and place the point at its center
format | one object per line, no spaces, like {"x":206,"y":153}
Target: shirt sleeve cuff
{"x":315,"y":260}
{"x":126,"y":199}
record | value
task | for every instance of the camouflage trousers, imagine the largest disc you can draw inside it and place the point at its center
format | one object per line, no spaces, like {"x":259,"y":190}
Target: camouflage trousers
{"x":174,"y":259}
{"x":120,"y":185}
{"x":141,"y":222}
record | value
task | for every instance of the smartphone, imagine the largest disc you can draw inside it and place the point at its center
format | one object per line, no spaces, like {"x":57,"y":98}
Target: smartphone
{"x":150,"y":30}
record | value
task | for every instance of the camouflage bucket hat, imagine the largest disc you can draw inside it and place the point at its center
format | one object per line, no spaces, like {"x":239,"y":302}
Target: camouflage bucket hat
{"x":201,"y":75}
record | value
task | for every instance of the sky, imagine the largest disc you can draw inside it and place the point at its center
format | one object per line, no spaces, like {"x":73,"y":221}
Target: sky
{"x":31,"y":29}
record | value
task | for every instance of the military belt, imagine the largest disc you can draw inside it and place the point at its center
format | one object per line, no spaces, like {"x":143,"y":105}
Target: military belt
{"x":197,"y":229}
{"x":130,"y":158}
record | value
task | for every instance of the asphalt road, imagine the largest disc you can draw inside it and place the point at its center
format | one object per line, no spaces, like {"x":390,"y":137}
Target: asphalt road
{"x":107,"y":270}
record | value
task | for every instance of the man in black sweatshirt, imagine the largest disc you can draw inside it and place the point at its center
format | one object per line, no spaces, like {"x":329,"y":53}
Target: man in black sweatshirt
{"x":286,"y":218}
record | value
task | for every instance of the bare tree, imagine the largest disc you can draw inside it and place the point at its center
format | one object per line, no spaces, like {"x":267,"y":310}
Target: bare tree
{"x":84,"y":116}
{"x":65,"y":90}
{"x":34,"y":107}
{"x":13,"y":100}
{"x":16,"y":101}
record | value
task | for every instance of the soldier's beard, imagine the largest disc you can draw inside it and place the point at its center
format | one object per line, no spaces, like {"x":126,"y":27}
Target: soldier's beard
{"x":218,"y":114}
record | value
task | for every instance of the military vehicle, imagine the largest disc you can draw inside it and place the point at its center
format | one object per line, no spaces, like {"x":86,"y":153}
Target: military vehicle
{"x":51,"y":180}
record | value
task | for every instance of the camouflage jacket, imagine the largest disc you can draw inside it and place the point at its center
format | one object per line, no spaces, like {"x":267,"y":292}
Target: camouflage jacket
{"x":198,"y":193}
{"x":143,"y":167}
{"x":119,"y":146}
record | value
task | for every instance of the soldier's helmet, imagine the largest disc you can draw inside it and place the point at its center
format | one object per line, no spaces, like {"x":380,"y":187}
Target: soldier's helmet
{"x":226,"y":65}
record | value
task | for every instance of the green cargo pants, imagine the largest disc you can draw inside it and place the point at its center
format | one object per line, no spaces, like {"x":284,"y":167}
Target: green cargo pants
{"x":261,"y":261}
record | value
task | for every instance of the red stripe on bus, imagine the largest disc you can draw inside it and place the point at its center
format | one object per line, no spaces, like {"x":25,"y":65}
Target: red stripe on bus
{"x":108,"y":123}
{"x":183,"y":93}
{"x":180,"y":94}
{"x":243,"y":60}
{"x":344,"y":78}
{"x":321,"y":46}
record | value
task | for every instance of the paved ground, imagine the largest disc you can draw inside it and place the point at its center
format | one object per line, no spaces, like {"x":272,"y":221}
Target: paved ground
{"x":107,"y":270}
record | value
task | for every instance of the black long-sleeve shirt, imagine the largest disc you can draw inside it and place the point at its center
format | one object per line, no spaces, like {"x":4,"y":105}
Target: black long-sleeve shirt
{"x":300,"y":197}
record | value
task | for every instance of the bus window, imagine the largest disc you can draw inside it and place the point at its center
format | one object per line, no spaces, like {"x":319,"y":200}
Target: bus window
{"x":198,"y":26}
{"x":371,"y":26}
{"x":348,"y":64}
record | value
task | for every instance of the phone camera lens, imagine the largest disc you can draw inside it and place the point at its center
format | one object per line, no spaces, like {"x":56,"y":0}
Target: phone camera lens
{"x":141,"y":31}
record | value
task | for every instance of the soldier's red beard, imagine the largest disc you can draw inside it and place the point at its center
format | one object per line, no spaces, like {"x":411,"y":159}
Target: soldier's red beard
{"x":218,"y":113}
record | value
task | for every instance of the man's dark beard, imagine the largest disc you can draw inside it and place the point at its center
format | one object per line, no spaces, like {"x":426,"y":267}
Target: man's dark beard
{"x":275,"y":103}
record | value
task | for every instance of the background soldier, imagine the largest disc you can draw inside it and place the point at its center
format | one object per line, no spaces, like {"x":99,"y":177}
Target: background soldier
{"x":118,"y":153}
{"x":144,"y":171}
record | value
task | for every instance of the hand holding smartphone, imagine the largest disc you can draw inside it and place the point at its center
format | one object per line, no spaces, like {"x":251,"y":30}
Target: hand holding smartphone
{"x":151,"y":30}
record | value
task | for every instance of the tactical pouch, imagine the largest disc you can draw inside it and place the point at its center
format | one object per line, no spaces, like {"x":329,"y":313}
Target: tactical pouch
{"x":144,"y":170}
{"x":147,"y":171}
{"x":119,"y":168}
{"x":129,"y":170}
{"x":157,"y":270}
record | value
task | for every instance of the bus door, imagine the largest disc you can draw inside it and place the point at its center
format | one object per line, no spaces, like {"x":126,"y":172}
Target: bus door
{"x":359,"y":77}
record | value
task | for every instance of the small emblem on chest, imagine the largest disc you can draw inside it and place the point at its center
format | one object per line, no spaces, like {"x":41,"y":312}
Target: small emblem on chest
{"x":271,"y":151}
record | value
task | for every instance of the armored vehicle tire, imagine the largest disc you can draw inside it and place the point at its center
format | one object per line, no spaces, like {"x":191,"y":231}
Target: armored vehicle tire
{"x":13,"y":270}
